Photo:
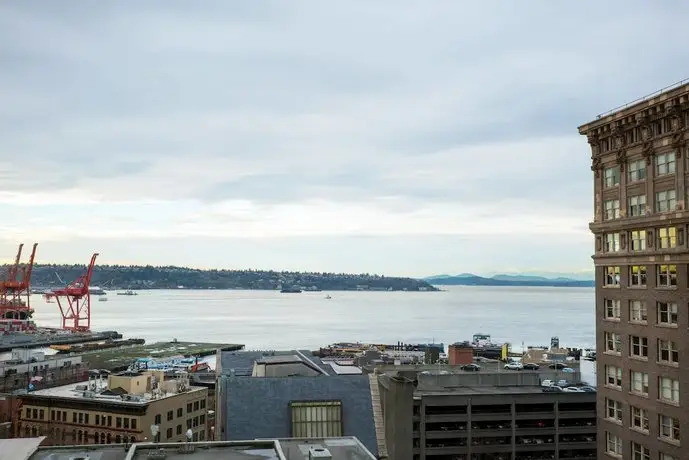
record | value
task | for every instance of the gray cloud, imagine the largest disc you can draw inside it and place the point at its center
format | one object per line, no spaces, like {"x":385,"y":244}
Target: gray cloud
{"x":343,"y":102}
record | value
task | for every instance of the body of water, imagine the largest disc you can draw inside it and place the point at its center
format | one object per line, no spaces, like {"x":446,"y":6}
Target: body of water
{"x":271,"y":320}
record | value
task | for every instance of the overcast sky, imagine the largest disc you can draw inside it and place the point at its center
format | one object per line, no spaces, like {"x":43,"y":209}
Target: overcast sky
{"x":403,"y":137}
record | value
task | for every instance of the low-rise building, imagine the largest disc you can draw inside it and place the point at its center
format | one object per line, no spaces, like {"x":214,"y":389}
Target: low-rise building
{"x":344,"y":448}
{"x":484,"y":416}
{"x":294,"y":394}
{"x":121,"y":409}
{"x":30,"y":367}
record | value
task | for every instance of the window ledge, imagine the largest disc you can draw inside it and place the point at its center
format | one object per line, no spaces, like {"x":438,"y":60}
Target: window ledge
{"x":638,"y":286}
{"x":639,"y":394}
{"x":669,"y":402}
{"x":612,"y":319}
{"x":613,"y":387}
{"x":667,"y":363}
{"x":666,"y":288}
{"x":611,"y":286}
{"x":640,"y":323}
{"x":643,"y":359}
{"x":613,"y":455}
{"x":612,"y":353}
{"x":671,"y":441}
{"x":638,"y":430}
{"x":667,"y":325}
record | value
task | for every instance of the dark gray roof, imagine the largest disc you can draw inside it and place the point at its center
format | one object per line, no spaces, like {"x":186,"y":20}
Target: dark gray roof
{"x":242,"y":362}
{"x":259,"y":407}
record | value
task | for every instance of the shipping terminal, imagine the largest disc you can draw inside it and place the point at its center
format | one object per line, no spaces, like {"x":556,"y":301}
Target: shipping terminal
{"x":18,"y":330}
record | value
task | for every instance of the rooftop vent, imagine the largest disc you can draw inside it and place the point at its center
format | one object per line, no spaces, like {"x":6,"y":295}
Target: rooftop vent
{"x":319,"y":452}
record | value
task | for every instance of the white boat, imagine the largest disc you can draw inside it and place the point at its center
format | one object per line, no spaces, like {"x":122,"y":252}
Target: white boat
{"x":127,"y":292}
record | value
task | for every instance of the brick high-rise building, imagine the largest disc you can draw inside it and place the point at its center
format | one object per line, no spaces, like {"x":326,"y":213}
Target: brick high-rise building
{"x":639,"y":159}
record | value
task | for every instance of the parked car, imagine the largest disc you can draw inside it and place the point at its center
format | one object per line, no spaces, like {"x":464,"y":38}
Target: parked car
{"x":557,"y":366}
{"x":514,"y":366}
{"x":531,"y":367}
{"x":471,"y":367}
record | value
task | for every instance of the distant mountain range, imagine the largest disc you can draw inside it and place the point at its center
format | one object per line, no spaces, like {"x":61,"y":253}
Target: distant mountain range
{"x":469,"y":279}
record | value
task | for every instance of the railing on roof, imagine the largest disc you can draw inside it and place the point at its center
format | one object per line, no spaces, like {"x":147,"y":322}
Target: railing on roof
{"x":644,"y":98}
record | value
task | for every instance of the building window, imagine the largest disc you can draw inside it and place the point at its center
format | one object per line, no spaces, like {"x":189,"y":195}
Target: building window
{"x":613,"y":444}
{"x":639,"y":418}
{"x":637,"y":275}
{"x":316,"y":419}
{"x":667,"y":275}
{"x":612,"y":309}
{"x":638,"y":240}
{"x":638,"y":346}
{"x":639,"y":383}
{"x":639,"y":452}
{"x":665,"y":163}
{"x":613,"y":410}
{"x":666,"y":201}
{"x":637,"y":170}
{"x":667,"y":313}
{"x":667,"y":457}
{"x":667,"y":238}
{"x":613,"y":376}
{"x":637,"y":206}
{"x":612,"y":276}
{"x":612,"y":209}
{"x":612,"y":176}
{"x":637,"y":311}
{"x":180,"y":412}
{"x":668,"y":390}
{"x":170,"y":415}
{"x":612,"y":242}
{"x":667,"y":351}
{"x":669,"y":427}
{"x":613,"y":342}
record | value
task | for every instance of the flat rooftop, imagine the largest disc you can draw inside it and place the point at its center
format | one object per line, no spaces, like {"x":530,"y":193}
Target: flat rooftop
{"x":90,"y":452}
{"x":102,"y":395}
{"x":480,"y":390}
{"x":345,"y":448}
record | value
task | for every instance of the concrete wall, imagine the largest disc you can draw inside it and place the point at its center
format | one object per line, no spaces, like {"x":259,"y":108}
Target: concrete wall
{"x":466,"y":379}
{"x":397,"y":400}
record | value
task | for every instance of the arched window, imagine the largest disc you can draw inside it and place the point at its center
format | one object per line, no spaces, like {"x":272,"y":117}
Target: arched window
{"x":108,"y":438}
{"x":132,"y":440}
{"x":27,"y":431}
{"x":118,"y":439}
{"x":102,"y":438}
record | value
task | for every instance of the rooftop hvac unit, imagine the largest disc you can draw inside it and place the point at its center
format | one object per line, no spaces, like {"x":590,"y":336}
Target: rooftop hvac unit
{"x":319,"y":452}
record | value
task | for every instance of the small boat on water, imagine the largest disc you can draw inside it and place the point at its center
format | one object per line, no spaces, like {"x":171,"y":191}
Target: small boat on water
{"x":127,"y":292}
{"x":102,"y":299}
{"x":292,"y":290}
{"x":328,"y":297}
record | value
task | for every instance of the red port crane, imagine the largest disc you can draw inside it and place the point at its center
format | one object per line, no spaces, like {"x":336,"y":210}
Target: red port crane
{"x":12,"y":306}
{"x":75,"y":305}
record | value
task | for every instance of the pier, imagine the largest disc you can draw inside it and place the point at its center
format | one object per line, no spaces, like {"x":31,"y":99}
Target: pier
{"x":117,"y":359}
{"x":47,"y":337}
